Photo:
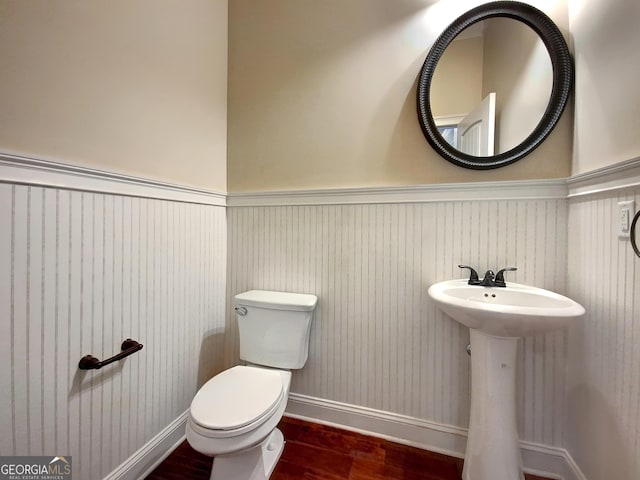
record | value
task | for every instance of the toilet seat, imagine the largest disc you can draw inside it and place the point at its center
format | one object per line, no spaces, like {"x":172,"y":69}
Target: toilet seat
{"x":236,"y":400}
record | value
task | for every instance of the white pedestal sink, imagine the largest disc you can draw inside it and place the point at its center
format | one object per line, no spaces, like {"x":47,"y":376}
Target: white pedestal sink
{"x":498,"y":317}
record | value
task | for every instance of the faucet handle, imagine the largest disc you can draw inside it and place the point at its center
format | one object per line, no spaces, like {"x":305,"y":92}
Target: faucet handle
{"x":473,"y":278}
{"x":499,"y":280}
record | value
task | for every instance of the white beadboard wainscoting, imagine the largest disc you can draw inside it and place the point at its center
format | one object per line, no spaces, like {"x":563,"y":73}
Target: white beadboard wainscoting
{"x":80,"y":271}
{"x":603,"y":433}
{"x":88,"y":258}
{"x":377,"y":340}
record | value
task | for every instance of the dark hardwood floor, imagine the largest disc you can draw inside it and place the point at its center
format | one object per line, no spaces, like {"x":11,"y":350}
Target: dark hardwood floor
{"x":318,"y":452}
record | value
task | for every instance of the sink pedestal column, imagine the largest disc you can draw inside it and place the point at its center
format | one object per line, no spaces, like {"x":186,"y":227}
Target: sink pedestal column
{"x":493,"y":448}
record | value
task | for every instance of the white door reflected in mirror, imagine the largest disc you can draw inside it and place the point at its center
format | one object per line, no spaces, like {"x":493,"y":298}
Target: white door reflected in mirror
{"x":476,"y":131}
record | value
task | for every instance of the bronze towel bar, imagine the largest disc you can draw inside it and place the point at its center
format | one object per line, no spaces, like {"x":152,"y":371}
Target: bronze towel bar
{"x":89,"y":362}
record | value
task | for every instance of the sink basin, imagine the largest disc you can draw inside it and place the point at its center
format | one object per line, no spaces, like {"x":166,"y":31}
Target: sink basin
{"x":497,"y":317}
{"x":512,"y":311}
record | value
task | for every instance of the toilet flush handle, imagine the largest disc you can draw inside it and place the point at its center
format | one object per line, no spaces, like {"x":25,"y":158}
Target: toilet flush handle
{"x":241,"y":311}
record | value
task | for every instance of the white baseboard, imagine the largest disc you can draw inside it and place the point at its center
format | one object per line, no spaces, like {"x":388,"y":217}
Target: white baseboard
{"x":552,"y":462}
{"x":147,"y":458}
{"x":549,"y":461}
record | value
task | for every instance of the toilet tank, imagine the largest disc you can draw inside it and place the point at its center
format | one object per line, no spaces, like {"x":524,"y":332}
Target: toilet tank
{"x":274,"y":327}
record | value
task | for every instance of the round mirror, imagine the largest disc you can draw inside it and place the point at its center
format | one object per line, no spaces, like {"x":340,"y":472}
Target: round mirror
{"x":494,"y":85}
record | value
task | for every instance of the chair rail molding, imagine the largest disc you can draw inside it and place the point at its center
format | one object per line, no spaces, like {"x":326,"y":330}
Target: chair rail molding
{"x":501,"y":190}
{"x":45,"y":173}
{"x":606,"y":179}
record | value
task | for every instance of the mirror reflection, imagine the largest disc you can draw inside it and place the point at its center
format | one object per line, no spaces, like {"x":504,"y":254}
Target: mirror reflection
{"x":491,"y":87}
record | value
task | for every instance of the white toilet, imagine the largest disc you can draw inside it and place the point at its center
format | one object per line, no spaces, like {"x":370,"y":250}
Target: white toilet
{"x":233,"y":417}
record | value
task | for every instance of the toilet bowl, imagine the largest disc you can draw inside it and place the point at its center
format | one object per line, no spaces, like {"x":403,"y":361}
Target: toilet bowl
{"x":234,"y":416}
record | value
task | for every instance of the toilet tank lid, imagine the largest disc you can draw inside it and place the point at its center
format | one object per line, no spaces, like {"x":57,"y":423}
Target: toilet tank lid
{"x":277,"y":300}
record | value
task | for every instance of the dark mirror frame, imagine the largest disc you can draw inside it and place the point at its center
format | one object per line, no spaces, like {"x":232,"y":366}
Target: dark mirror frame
{"x":563,"y":74}
{"x":632,"y":235}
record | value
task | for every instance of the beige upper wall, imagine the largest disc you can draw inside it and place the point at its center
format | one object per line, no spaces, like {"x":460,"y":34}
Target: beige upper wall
{"x":607,"y":116}
{"x":133,"y":86}
{"x":322,"y":94}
